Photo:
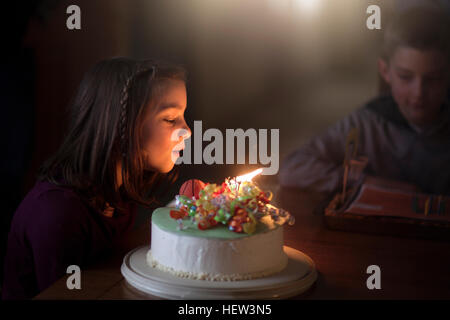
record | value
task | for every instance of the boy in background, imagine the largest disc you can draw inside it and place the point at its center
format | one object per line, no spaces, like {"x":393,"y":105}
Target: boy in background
{"x":405,"y":134}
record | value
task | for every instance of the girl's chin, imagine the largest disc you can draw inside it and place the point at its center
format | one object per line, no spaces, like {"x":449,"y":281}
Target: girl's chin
{"x":167,"y":168}
{"x":161,"y":169}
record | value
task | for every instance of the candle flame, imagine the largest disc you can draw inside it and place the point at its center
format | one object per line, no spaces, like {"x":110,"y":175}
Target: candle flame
{"x":248,"y":176}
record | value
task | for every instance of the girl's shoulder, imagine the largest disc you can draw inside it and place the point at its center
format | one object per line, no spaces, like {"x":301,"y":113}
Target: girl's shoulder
{"x":60,"y":211}
{"x":48,"y":195}
{"x":50,"y":205}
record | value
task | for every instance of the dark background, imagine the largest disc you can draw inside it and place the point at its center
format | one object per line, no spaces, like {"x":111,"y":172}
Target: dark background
{"x":293,"y":65}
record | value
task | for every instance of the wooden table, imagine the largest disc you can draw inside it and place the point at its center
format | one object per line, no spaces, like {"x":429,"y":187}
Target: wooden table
{"x":410,"y":268}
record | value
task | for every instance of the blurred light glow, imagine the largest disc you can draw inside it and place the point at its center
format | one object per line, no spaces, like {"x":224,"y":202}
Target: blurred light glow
{"x":279,"y":5}
{"x":309,"y":6}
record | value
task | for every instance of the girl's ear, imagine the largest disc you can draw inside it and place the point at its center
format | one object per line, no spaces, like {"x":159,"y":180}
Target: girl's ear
{"x":383,"y":69}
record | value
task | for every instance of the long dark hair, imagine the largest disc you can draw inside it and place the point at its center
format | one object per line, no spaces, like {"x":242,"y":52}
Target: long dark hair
{"x":104,"y":130}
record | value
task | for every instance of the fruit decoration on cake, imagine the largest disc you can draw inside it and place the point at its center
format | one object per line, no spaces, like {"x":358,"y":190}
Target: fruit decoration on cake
{"x":237,"y":203}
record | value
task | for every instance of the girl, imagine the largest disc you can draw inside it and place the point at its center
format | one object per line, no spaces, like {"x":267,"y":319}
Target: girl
{"x":127,"y":128}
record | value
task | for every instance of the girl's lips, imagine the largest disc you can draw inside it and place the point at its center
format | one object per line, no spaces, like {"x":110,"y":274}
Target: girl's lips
{"x":180,"y":148}
{"x":175,"y":155}
{"x":177,"y":152}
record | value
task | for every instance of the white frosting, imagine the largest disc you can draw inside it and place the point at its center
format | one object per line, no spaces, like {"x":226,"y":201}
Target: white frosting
{"x":249,"y":257}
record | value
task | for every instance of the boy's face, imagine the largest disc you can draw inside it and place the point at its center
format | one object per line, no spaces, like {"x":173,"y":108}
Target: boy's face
{"x":419,"y":82}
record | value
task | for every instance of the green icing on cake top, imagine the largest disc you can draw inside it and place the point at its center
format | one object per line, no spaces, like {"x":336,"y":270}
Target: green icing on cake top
{"x":161,"y":217}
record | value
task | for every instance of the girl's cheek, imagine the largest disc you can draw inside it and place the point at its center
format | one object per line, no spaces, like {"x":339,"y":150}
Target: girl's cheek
{"x":170,"y":137}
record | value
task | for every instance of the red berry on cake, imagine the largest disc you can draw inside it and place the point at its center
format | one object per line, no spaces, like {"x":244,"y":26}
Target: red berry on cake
{"x":191,"y":188}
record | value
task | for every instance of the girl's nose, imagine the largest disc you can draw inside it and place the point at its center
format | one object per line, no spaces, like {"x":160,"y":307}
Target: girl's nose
{"x":181,"y":134}
{"x":186,"y":132}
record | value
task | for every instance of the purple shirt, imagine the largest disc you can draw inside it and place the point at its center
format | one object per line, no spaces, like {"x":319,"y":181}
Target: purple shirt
{"x":51,"y":230}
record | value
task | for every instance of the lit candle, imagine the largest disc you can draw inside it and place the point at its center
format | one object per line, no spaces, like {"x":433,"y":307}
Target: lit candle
{"x":249,"y":176}
{"x":246,"y":178}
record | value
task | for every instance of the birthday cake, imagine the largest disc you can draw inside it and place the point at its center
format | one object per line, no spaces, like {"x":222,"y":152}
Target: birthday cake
{"x":224,"y":232}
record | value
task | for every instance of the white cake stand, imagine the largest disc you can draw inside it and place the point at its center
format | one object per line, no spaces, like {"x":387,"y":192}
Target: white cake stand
{"x":297,"y":277}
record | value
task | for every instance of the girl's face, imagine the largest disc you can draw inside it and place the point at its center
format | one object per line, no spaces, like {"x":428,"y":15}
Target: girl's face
{"x":419,"y":81}
{"x":164,"y":128}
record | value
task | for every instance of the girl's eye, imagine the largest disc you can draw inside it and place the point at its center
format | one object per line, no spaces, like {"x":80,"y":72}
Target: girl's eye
{"x":171,"y":121}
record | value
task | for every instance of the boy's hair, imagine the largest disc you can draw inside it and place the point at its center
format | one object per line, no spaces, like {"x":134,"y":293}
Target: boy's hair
{"x":420,"y":28}
{"x":106,"y":118}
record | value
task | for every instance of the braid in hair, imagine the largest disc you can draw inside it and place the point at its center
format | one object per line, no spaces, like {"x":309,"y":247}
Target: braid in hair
{"x":123,"y":117}
{"x":123,"y":130}
{"x":123,"y":106}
